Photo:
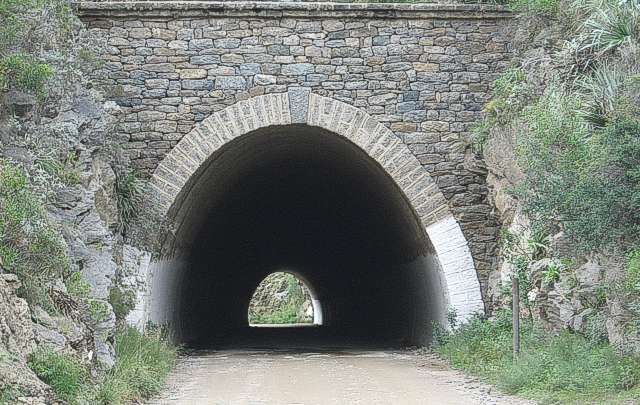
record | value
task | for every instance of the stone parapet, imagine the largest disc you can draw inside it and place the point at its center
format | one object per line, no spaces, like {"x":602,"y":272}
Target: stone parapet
{"x":266,"y":9}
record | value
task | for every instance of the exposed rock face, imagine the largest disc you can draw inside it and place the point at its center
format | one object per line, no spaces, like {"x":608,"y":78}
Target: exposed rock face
{"x":278,"y":291}
{"x":73,"y":128}
{"x":585,"y":296}
{"x":135,"y":276}
{"x":578,"y":299}
{"x":16,"y":332}
{"x":17,"y":340}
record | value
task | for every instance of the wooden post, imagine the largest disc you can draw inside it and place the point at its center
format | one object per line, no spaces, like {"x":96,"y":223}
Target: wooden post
{"x":515,"y":296}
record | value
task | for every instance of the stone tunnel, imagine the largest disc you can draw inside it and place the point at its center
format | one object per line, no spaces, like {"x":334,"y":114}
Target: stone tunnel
{"x":326,"y":140}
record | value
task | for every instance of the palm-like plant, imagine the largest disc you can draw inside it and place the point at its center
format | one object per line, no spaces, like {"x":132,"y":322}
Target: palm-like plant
{"x":600,"y":93}
{"x":610,"y":25}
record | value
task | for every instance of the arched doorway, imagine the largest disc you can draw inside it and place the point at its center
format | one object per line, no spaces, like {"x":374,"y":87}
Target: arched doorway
{"x":268,"y":184}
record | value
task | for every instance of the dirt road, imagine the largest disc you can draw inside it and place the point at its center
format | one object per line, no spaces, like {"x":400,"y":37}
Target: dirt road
{"x":322,"y":378}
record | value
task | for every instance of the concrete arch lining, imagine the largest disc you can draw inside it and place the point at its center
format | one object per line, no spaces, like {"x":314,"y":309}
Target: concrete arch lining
{"x":299,"y":106}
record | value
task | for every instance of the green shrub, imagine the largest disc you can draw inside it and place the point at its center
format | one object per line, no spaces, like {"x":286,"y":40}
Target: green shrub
{"x":510,"y":93}
{"x":9,"y":395}
{"x":566,"y":368}
{"x":122,"y":301}
{"x":587,"y":181}
{"x":633,"y":271}
{"x":24,"y":72}
{"x":66,"y":375}
{"x":129,"y":191}
{"x":98,"y":310}
{"x":22,"y":40}
{"x":603,"y":92}
{"x":77,"y":287}
{"x":612,"y":24}
{"x":143,"y":362}
{"x":29,"y":245}
{"x":63,"y":170}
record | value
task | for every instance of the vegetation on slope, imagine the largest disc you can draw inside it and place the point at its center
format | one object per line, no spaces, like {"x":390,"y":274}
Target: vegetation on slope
{"x":29,"y":27}
{"x":144,"y":360}
{"x":29,"y":245}
{"x":573,"y":111}
{"x":566,"y":368}
{"x":578,"y":140}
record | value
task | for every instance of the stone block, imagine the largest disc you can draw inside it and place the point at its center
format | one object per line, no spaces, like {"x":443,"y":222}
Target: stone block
{"x":297,"y":69}
{"x":230,"y":82}
{"x":193,"y":74}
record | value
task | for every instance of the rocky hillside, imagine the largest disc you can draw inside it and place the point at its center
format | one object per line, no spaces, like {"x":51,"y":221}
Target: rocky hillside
{"x":65,"y":197}
{"x":561,"y":142}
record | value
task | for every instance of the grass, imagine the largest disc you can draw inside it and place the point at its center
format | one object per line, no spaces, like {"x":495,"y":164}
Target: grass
{"x":129,"y":192}
{"x":565,"y":368}
{"x":30,"y":246}
{"x":66,"y":375}
{"x":143,"y":362}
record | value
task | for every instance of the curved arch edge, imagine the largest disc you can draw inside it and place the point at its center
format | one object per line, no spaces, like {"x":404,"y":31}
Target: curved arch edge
{"x":300,"y":106}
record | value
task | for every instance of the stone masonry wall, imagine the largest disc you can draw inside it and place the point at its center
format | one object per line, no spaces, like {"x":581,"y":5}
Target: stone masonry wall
{"x":423,"y":72}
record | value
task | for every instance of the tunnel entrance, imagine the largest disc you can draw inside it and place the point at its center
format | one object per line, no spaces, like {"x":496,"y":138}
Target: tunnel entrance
{"x":299,"y":197}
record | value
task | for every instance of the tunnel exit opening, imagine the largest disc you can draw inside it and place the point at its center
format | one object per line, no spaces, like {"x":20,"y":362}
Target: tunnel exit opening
{"x":299,"y":197}
{"x":283,"y":299}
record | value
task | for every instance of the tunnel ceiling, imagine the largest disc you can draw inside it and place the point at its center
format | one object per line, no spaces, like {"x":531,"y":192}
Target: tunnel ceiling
{"x":301,"y":199}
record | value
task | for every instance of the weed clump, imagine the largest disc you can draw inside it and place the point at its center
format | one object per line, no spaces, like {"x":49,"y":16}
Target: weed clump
{"x":143,"y":362}
{"x":564,"y":368}
{"x":30,"y":246}
{"x":66,"y":375}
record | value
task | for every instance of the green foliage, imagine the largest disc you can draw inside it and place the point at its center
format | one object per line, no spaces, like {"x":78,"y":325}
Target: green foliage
{"x":98,"y":310}
{"x":535,"y":7}
{"x":559,"y":369}
{"x":65,"y":374}
{"x":24,"y":72}
{"x":143,"y":362}
{"x":29,"y":245}
{"x":588,"y":181}
{"x":122,"y":301}
{"x":63,"y":170}
{"x":552,"y":273}
{"x":23,"y":39}
{"x":129,"y":191}
{"x":10,"y":12}
{"x":479,"y":346}
{"x":520,"y":250}
{"x":77,"y":287}
{"x":288,"y":311}
{"x":603,"y":93}
{"x":510,"y":93}
{"x":611,"y":25}
{"x":633,"y":271}
{"x":9,"y":395}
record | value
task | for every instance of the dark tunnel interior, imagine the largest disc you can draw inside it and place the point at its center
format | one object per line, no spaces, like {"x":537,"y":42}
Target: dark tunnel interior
{"x":303,"y":200}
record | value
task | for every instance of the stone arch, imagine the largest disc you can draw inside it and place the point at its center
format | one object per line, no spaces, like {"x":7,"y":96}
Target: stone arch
{"x":179,"y":168}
